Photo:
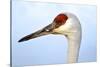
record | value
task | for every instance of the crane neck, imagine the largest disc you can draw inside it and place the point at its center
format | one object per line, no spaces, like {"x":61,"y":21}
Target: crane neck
{"x":73,"y":47}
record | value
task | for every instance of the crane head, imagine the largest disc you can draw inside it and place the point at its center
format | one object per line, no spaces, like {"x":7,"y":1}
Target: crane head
{"x":63,"y":23}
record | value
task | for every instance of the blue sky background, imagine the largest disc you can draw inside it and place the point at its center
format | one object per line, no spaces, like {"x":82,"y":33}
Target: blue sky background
{"x":28,"y":17}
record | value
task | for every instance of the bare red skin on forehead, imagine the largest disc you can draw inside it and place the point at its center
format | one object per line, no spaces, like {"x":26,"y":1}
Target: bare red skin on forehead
{"x":60,"y":19}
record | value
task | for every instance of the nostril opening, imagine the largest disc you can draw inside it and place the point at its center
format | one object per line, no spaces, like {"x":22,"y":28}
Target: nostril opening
{"x":47,"y":30}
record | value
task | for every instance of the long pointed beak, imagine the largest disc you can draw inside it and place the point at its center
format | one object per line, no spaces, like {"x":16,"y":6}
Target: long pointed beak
{"x":45,"y":31}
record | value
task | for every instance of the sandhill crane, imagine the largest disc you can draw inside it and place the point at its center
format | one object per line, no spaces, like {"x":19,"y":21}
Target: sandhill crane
{"x":66,"y":24}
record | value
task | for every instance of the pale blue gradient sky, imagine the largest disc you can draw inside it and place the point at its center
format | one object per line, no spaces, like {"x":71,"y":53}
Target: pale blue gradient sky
{"x":28,"y":17}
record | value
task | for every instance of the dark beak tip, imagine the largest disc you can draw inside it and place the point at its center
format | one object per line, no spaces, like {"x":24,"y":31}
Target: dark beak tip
{"x":20,"y":40}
